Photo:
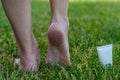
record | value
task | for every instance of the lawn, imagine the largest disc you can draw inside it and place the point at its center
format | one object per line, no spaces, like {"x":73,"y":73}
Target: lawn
{"x":92,"y":24}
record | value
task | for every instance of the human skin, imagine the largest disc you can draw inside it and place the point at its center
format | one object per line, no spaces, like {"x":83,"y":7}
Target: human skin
{"x":19,"y":15}
{"x":58,"y":48}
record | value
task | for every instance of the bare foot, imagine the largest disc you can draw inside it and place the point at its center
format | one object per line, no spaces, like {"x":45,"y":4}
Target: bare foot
{"x":28,"y":62}
{"x":58,"y":49}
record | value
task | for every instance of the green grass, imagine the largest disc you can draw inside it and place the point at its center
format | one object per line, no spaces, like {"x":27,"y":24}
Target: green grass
{"x":91,"y":24}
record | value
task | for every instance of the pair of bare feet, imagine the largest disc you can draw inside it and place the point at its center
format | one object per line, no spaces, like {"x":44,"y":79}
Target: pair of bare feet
{"x":58,"y":49}
{"x":19,"y":15}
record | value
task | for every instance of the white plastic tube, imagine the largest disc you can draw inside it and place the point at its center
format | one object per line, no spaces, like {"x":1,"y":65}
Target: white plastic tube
{"x":105,"y":54}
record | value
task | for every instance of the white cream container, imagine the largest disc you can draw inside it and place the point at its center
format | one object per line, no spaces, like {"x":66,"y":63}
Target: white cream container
{"x":105,"y":54}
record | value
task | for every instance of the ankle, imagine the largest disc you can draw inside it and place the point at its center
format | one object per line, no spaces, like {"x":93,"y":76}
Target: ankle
{"x":27,"y":50}
{"x":60,"y":20}
{"x":35,"y":46}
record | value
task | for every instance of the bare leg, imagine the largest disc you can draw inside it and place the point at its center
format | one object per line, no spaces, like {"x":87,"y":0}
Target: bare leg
{"x":58,"y":49}
{"x":19,"y":15}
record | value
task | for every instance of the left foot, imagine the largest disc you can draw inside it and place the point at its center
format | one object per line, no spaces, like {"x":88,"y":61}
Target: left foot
{"x":28,"y":61}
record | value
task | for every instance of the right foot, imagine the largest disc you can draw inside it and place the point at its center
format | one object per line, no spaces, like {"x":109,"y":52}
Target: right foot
{"x":58,"y":49}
